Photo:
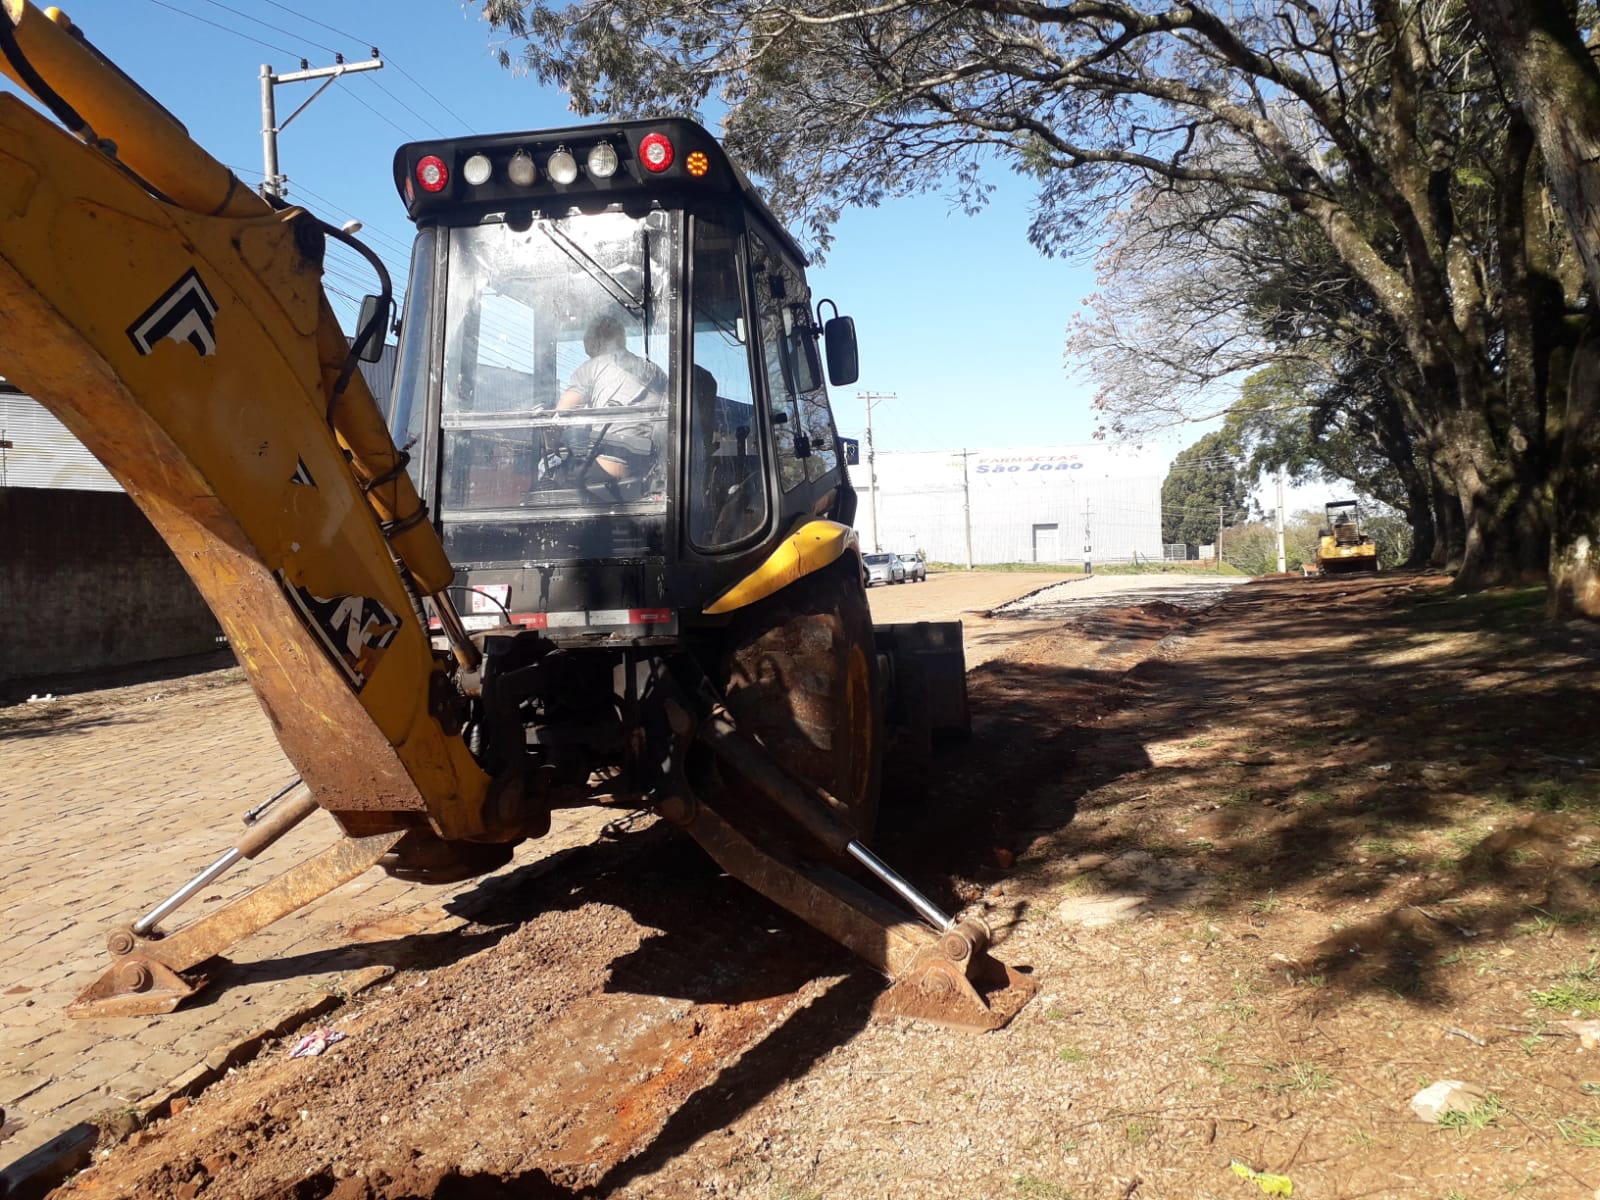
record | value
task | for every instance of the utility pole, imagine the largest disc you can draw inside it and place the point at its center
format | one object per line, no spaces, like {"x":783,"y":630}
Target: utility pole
{"x":966,"y":504}
{"x":272,"y":186}
{"x":1220,"y":520}
{"x":870,"y":399}
{"x":1088,"y":539}
{"x":1283,"y":561}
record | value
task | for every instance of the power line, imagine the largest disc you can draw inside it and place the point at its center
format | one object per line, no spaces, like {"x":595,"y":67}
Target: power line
{"x":404,"y":132}
{"x":269,"y":25}
{"x":314,"y":21}
{"x":408,"y":107}
{"x":225,"y":29}
{"x":415,"y":82}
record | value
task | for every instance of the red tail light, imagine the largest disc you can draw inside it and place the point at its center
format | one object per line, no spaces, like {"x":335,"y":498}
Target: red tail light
{"x":432,"y":174}
{"x":655,"y":151}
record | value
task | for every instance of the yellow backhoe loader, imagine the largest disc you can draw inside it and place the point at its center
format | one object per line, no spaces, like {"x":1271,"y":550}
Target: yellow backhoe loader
{"x":1342,"y":545}
{"x":599,"y":551}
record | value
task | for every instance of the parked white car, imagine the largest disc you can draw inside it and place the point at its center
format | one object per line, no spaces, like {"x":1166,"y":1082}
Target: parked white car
{"x":885,"y":568}
{"x":916,"y":569}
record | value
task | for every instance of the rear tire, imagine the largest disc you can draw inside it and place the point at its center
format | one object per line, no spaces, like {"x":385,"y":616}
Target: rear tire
{"x":800,"y":674}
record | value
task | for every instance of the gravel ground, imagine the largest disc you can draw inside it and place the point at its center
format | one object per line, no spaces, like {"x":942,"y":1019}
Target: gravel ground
{"x":1275,"y":866}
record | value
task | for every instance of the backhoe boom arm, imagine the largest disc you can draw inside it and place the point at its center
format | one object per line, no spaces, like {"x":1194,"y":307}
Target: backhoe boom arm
{"x":176,"y":324}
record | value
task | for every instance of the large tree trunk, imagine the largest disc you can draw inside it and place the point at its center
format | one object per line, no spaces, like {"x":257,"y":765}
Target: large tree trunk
{"x":1538,"y":49}
{"x":1450,"y":545}
{"x":1575,"y":552}
{"x":1504,"y":515}
{"x":1419,"y":515}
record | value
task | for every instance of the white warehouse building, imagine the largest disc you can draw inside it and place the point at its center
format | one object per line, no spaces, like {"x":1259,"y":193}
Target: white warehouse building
{"x":1041,"y":504}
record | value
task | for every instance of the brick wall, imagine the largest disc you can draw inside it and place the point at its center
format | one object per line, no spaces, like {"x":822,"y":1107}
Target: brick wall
{"x":85,"y":584}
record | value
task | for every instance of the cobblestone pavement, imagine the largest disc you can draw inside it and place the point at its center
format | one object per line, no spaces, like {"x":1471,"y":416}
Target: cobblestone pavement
{"x":110,"y":799}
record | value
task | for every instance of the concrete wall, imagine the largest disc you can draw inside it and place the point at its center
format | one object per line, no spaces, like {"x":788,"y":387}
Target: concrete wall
{"x":85,"y":584}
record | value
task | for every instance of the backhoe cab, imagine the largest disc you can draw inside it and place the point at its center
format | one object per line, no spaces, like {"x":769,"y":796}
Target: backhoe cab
{"x":612,"y":563}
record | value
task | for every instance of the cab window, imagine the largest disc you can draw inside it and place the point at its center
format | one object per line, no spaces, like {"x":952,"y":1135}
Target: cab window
{"x":774,"y":290}
{"x":727,"y":497}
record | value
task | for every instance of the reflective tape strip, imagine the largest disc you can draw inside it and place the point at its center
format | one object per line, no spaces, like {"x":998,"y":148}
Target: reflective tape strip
{"x":599,"y":618}
{"x":593,"y":618}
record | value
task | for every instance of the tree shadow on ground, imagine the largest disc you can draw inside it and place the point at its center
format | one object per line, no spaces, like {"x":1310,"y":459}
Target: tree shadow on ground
{"x":189,"y":670}
{"x":1355,"y":741}
{"x":1322,"y":717}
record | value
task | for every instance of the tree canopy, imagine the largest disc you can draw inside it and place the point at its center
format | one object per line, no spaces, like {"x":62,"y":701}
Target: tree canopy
{"x":1205,"y":489}
{"x":1347,"y":190}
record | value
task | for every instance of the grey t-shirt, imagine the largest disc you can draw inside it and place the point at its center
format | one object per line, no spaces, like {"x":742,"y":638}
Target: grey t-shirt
{"x":620,"y":377}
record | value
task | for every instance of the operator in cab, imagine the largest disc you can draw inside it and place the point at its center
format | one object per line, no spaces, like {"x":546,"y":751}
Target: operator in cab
{"x":613,"y":377}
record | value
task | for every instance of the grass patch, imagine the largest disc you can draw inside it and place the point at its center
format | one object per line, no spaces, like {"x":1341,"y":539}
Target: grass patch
{"x":1556,"y":795}
{"x":782,"y":1190}
{"x":1196,"y":567}
{"x":1220,"y":1065}
{"x":1072,"y":1054}
{"x":1499,"y":609}
{"x":1080,"y":884}
{"x":1545,"y":922}
{"x":1030,"y":1185}
{"x":1577,"y":991}
{"x":1010,"y":568}
{"x":1270,"y":903}
{"x":1580,"y":1132}
{"x":1479,"y":1116}
{"x":1298,"y":1075}
{"x":1316,"y":799}
{"x":1391,"y":848}
{"x":1138,"y":1133}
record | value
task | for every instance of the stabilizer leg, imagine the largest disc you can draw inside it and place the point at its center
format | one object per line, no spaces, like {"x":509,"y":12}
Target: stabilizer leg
{"x":146,"y":974}
{"x":944,"y":974}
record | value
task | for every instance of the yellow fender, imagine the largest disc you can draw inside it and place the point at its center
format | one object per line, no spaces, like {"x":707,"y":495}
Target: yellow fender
{"x":814,"y":544}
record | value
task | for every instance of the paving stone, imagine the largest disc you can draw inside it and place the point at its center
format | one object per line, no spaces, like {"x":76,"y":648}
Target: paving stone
{"x":100,"y":822}
{"x":15,"y":1085}
{"x":59,"y":1098}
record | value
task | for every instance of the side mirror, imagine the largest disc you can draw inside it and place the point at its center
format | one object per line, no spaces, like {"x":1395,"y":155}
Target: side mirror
{"x":372,"y":327}
{"x":839,"y":336}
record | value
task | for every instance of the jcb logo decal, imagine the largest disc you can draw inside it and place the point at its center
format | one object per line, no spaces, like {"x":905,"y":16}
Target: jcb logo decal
{"x":185,"y":313}
{"x":354,"y":630}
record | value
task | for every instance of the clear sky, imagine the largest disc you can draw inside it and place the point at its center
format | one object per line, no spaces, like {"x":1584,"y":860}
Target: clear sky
{"x":958,"y":316}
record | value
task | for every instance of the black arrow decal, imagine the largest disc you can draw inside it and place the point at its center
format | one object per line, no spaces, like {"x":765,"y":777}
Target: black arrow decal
{"x":185,"y":313}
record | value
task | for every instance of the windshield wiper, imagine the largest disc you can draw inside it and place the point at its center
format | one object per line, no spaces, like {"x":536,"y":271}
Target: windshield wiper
{"x":614,"y":287}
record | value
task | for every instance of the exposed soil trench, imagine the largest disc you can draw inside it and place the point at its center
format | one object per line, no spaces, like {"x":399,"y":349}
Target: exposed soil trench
{"x":1239,"y":850}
